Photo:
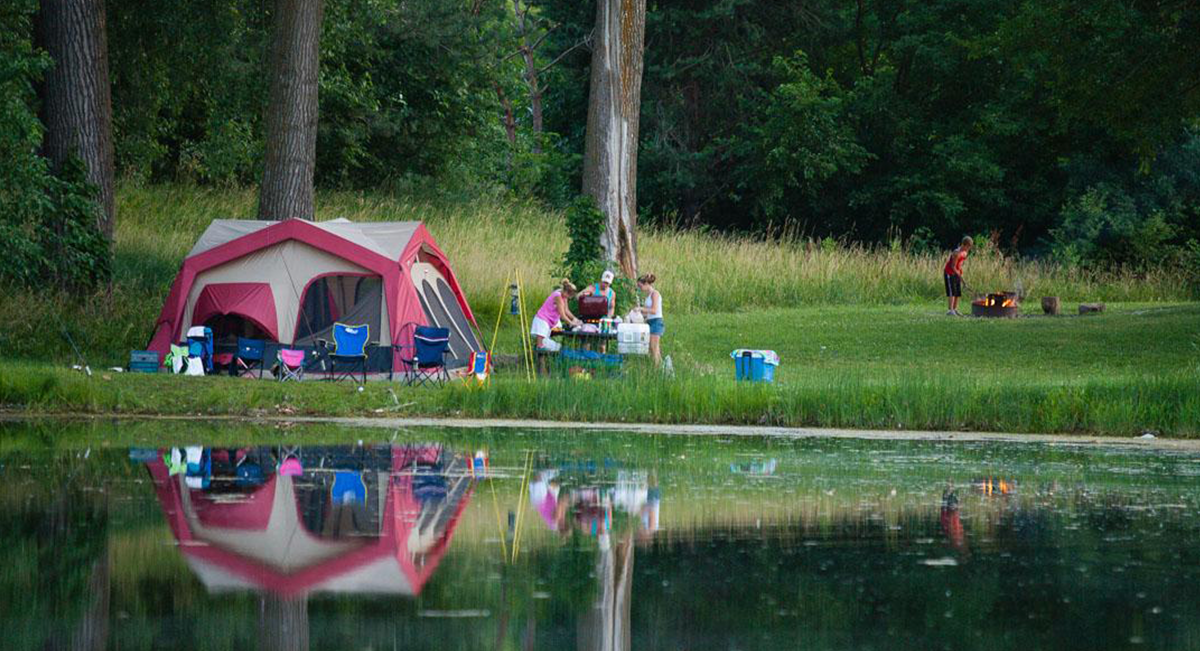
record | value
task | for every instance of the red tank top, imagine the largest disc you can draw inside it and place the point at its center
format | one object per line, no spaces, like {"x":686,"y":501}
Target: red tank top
{"x":955,"y":264}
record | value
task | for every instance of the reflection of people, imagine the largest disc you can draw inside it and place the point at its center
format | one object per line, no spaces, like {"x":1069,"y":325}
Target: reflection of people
{"x":951,"y":521}
{"x":553,"y":312}
{"x":603,"y":288}
{"x":591,"y":509}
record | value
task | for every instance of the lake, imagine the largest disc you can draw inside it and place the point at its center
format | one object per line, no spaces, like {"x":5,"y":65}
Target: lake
{"x":214,"y":535}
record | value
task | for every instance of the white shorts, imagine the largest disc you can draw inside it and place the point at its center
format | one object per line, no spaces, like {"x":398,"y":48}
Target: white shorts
{"x":539,"y":328}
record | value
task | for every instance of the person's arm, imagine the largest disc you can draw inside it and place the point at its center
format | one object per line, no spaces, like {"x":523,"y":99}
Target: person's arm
{"x":612,"y":305}
{"x":564,"y":311}
{"x":656,"y":304}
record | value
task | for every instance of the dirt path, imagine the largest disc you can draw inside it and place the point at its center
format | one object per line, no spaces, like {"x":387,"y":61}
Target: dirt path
{"x":782,"y":432}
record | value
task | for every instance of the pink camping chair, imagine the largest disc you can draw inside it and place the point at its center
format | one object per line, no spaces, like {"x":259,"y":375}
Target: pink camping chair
{"x":291,"y":364}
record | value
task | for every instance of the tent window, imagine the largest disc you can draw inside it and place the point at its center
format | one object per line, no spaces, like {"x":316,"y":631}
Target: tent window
{"x":345,"y":298}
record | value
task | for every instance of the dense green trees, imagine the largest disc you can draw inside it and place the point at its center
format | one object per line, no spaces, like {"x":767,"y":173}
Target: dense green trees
{"x":1058,"y":127}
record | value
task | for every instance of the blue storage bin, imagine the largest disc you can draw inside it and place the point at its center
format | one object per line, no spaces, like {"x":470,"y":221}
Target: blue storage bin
{"x":755,"y":365}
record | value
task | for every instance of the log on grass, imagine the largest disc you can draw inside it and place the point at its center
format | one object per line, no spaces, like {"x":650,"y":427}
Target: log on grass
{"x":1051,"y":305}
{"x":1091,"y":308}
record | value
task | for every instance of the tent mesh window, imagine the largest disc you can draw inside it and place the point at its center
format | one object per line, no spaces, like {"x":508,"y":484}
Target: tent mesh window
{"x":341,"y":298}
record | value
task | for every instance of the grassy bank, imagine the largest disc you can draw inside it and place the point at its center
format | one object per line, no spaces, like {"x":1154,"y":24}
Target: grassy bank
{"x":863,"y":367}
{"x":700,"y":273}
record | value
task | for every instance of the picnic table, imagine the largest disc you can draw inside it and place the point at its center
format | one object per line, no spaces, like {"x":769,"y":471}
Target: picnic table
{"x":584,"y":340}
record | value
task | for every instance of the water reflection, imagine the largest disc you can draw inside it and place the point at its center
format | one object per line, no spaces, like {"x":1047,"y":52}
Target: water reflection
{"x":616,"y":543}
{"x":296,"y":521}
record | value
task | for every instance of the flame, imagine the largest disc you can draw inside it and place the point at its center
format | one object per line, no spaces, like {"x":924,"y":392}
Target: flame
{"x":996,"y":300}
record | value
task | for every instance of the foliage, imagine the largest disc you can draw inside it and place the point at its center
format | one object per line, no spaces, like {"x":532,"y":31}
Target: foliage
{"x":47,"y":222}
{"x":584,"y":260}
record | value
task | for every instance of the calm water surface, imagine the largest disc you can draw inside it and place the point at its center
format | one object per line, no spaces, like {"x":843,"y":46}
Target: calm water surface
{"x":211,"y":536}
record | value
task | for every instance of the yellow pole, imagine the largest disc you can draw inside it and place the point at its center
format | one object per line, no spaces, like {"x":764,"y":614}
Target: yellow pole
{"x":499,"y":521}
{"x":526,"y":343}
{"x":499,"y":314}
{"x":521,"y":504}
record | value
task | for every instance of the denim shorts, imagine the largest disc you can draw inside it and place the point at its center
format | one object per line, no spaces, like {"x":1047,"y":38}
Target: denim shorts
{"x":656,"y":326}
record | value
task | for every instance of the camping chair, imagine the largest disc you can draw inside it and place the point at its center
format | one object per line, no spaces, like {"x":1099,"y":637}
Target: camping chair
{"x":426,"y":360}
{"x":200,"y":344}
{"x":177,"y":359}
{"x":291,"y":364}
{"x":350,"y":347}
{"x":251,"y":354}
{"x":481,"y":368}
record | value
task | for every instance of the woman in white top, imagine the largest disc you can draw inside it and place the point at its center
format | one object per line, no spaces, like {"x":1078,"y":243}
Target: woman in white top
{"x":652,"y":309}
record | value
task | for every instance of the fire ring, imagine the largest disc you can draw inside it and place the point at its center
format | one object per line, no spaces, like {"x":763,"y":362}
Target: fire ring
{"x":996,"y":306}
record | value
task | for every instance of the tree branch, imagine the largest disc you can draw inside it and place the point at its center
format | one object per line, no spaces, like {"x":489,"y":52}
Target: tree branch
{"x":583,"y":41}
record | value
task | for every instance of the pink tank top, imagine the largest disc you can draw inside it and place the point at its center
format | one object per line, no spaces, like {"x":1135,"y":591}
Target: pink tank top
{"x":549,"y":310}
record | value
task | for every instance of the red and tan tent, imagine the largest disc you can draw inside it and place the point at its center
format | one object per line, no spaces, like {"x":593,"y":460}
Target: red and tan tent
{"x":290,"y":281}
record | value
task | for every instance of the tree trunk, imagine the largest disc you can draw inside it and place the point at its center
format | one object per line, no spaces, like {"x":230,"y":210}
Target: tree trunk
{"x":77,"y":96}
{"x":610,"y":154}
{"x":531,"y":72}
{"x":287,"y":183}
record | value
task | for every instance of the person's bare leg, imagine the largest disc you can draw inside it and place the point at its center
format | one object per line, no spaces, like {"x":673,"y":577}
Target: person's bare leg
{"x":655,"y":353}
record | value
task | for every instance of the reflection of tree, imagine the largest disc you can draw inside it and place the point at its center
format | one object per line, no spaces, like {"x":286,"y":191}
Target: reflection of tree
{"x":283,"y":623}
{"x":606,"y":625}
{"x":55,"y":577}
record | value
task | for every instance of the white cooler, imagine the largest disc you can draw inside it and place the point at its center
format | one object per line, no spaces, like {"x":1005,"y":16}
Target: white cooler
{"x":633,"y":339}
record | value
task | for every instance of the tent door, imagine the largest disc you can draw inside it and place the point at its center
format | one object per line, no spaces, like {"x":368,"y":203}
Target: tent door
{"x":442,"y":309}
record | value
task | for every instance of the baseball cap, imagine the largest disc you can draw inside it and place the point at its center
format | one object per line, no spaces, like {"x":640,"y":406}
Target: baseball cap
{"x":606,"y":277}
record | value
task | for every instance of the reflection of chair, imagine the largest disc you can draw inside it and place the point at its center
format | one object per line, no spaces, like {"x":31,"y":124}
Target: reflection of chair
{"x":349,"y":347}
{"x":250,"y":355}
{"x":291,"y":364}
{"x":348,"y":488}
{"x":425,"y":355}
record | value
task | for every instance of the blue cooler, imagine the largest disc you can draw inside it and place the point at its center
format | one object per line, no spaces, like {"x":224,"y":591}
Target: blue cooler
{"x":755,"y":365}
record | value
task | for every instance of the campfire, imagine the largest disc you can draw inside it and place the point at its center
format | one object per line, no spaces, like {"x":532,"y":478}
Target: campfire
{"x":1002,"y":304}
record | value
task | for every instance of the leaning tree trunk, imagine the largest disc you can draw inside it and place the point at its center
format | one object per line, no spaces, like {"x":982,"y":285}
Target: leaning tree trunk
{"x":610,"y":154}
{"x":77,"y":97}
{"x":287,"y":183}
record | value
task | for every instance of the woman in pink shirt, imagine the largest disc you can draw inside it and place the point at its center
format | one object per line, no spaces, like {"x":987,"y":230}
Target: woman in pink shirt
{"x":553,"y":312}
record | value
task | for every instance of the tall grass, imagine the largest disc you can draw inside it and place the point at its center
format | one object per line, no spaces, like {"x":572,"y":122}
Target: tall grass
{"x":493,"y":238}
{"x":1167,"y":404}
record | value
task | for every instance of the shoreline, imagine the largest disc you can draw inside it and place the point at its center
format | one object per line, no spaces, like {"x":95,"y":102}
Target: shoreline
{"x":793,"y":433}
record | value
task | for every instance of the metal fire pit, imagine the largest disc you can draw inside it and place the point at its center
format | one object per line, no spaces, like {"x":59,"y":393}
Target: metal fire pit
{"x":993,"y":306}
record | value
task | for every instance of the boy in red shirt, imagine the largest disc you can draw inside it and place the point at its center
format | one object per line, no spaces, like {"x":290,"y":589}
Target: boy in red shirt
{"x":953,"y":274}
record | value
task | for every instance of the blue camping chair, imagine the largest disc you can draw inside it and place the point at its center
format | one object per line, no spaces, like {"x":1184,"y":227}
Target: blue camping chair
{"x":251,"y":353}
{"x":349,"y":348}
{"x":425,"y":356}
{"x":200,"y":344}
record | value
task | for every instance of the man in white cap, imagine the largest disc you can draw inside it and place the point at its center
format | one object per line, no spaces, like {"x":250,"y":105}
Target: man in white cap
{"x":603,"y":288}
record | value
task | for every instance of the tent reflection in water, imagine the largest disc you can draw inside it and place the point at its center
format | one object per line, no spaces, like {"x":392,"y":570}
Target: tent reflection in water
{"x":361,"y":520}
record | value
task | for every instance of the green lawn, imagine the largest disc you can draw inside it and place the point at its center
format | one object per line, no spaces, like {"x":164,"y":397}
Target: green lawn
{"x":1133,"y":369}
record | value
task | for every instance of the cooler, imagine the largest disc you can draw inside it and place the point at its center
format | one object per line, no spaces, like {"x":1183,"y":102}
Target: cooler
{"x":633,"y":339}
{"x":755,"y":365}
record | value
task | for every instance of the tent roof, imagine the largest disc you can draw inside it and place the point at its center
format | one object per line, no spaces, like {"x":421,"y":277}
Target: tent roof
{"x":385,"y":238}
